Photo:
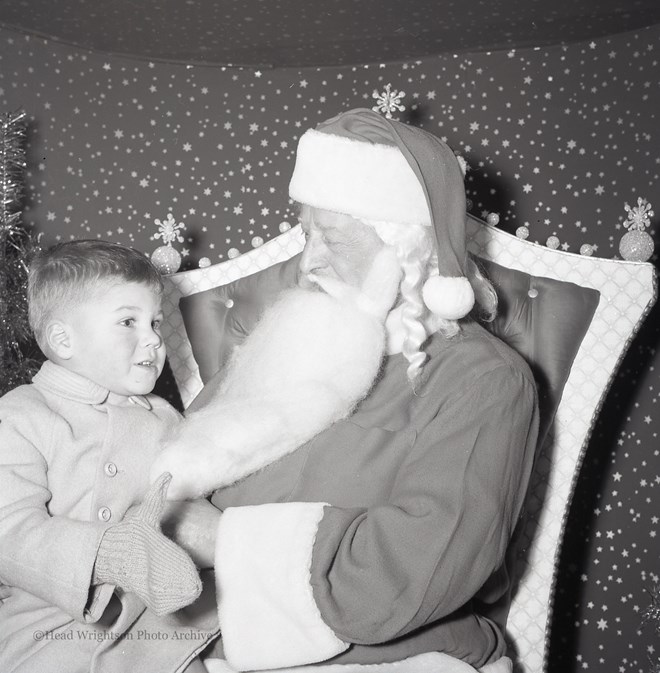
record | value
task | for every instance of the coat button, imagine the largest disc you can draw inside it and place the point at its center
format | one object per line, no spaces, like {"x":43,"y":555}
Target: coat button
{"x":104,"y":514}
{"x":110,"y":469}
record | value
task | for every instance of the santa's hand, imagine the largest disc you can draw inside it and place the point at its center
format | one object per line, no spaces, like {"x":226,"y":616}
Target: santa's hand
{"x":193,"y":526}
{"x":381,"y":286}
{"x":379,"y":289}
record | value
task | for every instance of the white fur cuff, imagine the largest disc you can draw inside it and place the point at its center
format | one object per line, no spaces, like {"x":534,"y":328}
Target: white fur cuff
{"x":362,"y":179}
{"x":268,"y":616}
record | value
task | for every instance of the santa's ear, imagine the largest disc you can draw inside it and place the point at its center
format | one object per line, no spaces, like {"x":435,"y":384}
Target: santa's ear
{"x":58,"y":340}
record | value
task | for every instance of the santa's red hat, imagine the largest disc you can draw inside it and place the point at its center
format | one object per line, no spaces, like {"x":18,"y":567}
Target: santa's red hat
{"x":364,"y":165}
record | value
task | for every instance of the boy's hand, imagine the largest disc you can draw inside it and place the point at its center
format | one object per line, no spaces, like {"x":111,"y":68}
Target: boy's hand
{"x":137,"y":557}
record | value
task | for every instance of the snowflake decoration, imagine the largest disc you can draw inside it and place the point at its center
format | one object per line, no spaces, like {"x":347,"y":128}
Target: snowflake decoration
{"x":639,"y":216}
{"x":168,"y":230}
{"x":388,"y":101}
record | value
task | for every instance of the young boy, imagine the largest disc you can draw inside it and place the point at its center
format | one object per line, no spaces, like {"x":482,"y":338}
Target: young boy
{"x":76,"y":446}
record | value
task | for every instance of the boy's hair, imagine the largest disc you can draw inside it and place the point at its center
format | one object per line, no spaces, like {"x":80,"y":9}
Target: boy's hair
{"x":67,"y":273}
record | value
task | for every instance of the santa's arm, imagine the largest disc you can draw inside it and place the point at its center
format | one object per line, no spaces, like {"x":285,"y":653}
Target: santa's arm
{"x":305,"y":580}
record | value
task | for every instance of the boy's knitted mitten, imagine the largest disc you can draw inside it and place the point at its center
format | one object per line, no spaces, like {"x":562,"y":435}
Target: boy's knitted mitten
{"x":137,"y":557}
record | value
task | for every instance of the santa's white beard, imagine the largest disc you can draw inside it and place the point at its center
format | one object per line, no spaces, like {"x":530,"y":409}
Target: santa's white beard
{"x":310,"y":359}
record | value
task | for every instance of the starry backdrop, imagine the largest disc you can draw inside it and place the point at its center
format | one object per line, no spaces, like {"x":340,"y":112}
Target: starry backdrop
{"x":557,"y":139}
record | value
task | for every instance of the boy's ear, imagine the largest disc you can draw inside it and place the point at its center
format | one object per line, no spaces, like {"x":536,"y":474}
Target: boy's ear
{"x":58,"y":340}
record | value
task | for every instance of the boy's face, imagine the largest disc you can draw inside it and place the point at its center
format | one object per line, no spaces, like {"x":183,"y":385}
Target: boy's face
{"x":115,"y":338}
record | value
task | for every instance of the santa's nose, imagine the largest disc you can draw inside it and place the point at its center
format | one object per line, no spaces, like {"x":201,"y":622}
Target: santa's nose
{"x":312,"y":255}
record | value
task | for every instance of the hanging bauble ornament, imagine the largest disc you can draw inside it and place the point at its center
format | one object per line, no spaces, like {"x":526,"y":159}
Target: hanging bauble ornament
{"x":204,"y":262}
{"x":284,"y":226}
{"x":587,"y":250}
{"x":522,"y":232}
{"x":637,"y":245}
{"x":232,"y":252}
{"x":165,"y":258}
{"x":468,"y":205}
{"x":552,"y":242}
{"x":493,"y":219}
{"x":257,"y":242}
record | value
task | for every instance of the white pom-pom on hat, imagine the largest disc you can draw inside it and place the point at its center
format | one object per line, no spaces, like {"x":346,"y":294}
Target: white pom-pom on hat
{"x":448,"y":297}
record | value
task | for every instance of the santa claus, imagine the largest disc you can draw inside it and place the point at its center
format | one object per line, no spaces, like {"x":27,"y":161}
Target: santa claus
{"x":370,"y":443}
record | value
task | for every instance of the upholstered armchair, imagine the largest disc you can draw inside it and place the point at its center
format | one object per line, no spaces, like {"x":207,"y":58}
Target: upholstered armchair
{"x":572,"y":317}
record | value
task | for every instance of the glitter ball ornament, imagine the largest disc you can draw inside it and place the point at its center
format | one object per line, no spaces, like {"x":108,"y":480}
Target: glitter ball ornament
{"x":587,"y":250}
{"x":552,"y":242}
{"x":284,"y":226}
{"x":257,"y":241}
{"x":637,"y":244}
{"x":166,"y":259}
{"x":232,"y":252}
{"x":522,"y":232}
{"x":204,"y":262}
{"x":493,"y":219}
{"x":468,"y":204}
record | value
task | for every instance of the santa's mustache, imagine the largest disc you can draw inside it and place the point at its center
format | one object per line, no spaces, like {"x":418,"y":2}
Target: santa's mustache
{"x":308,"y":362}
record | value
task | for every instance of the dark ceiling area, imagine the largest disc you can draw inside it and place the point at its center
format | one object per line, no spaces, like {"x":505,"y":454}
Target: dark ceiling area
{"x":300,"y":33}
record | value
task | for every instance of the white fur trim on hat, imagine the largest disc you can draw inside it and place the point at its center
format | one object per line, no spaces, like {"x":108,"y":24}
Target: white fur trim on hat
{"x":361,"y":179}
{"x":447,"y":297}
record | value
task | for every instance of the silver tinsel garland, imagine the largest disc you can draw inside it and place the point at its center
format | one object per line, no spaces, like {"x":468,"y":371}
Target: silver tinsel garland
{"x":17,"y":348}
{"x":651,"y":615}
{"x":12,"y":168}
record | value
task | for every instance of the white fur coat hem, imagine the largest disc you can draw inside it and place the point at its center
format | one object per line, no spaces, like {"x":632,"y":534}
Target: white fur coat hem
{"x":429,"y":662}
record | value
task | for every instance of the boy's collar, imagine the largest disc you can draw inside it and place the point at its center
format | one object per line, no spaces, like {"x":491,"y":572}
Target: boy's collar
{"x":77,"y":388}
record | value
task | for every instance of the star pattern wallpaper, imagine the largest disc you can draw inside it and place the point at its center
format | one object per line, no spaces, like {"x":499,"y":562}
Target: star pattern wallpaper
{"x":557,"y":139}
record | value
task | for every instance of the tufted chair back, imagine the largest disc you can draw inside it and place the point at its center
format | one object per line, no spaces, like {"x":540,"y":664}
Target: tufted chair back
{"x":571,"y":317}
